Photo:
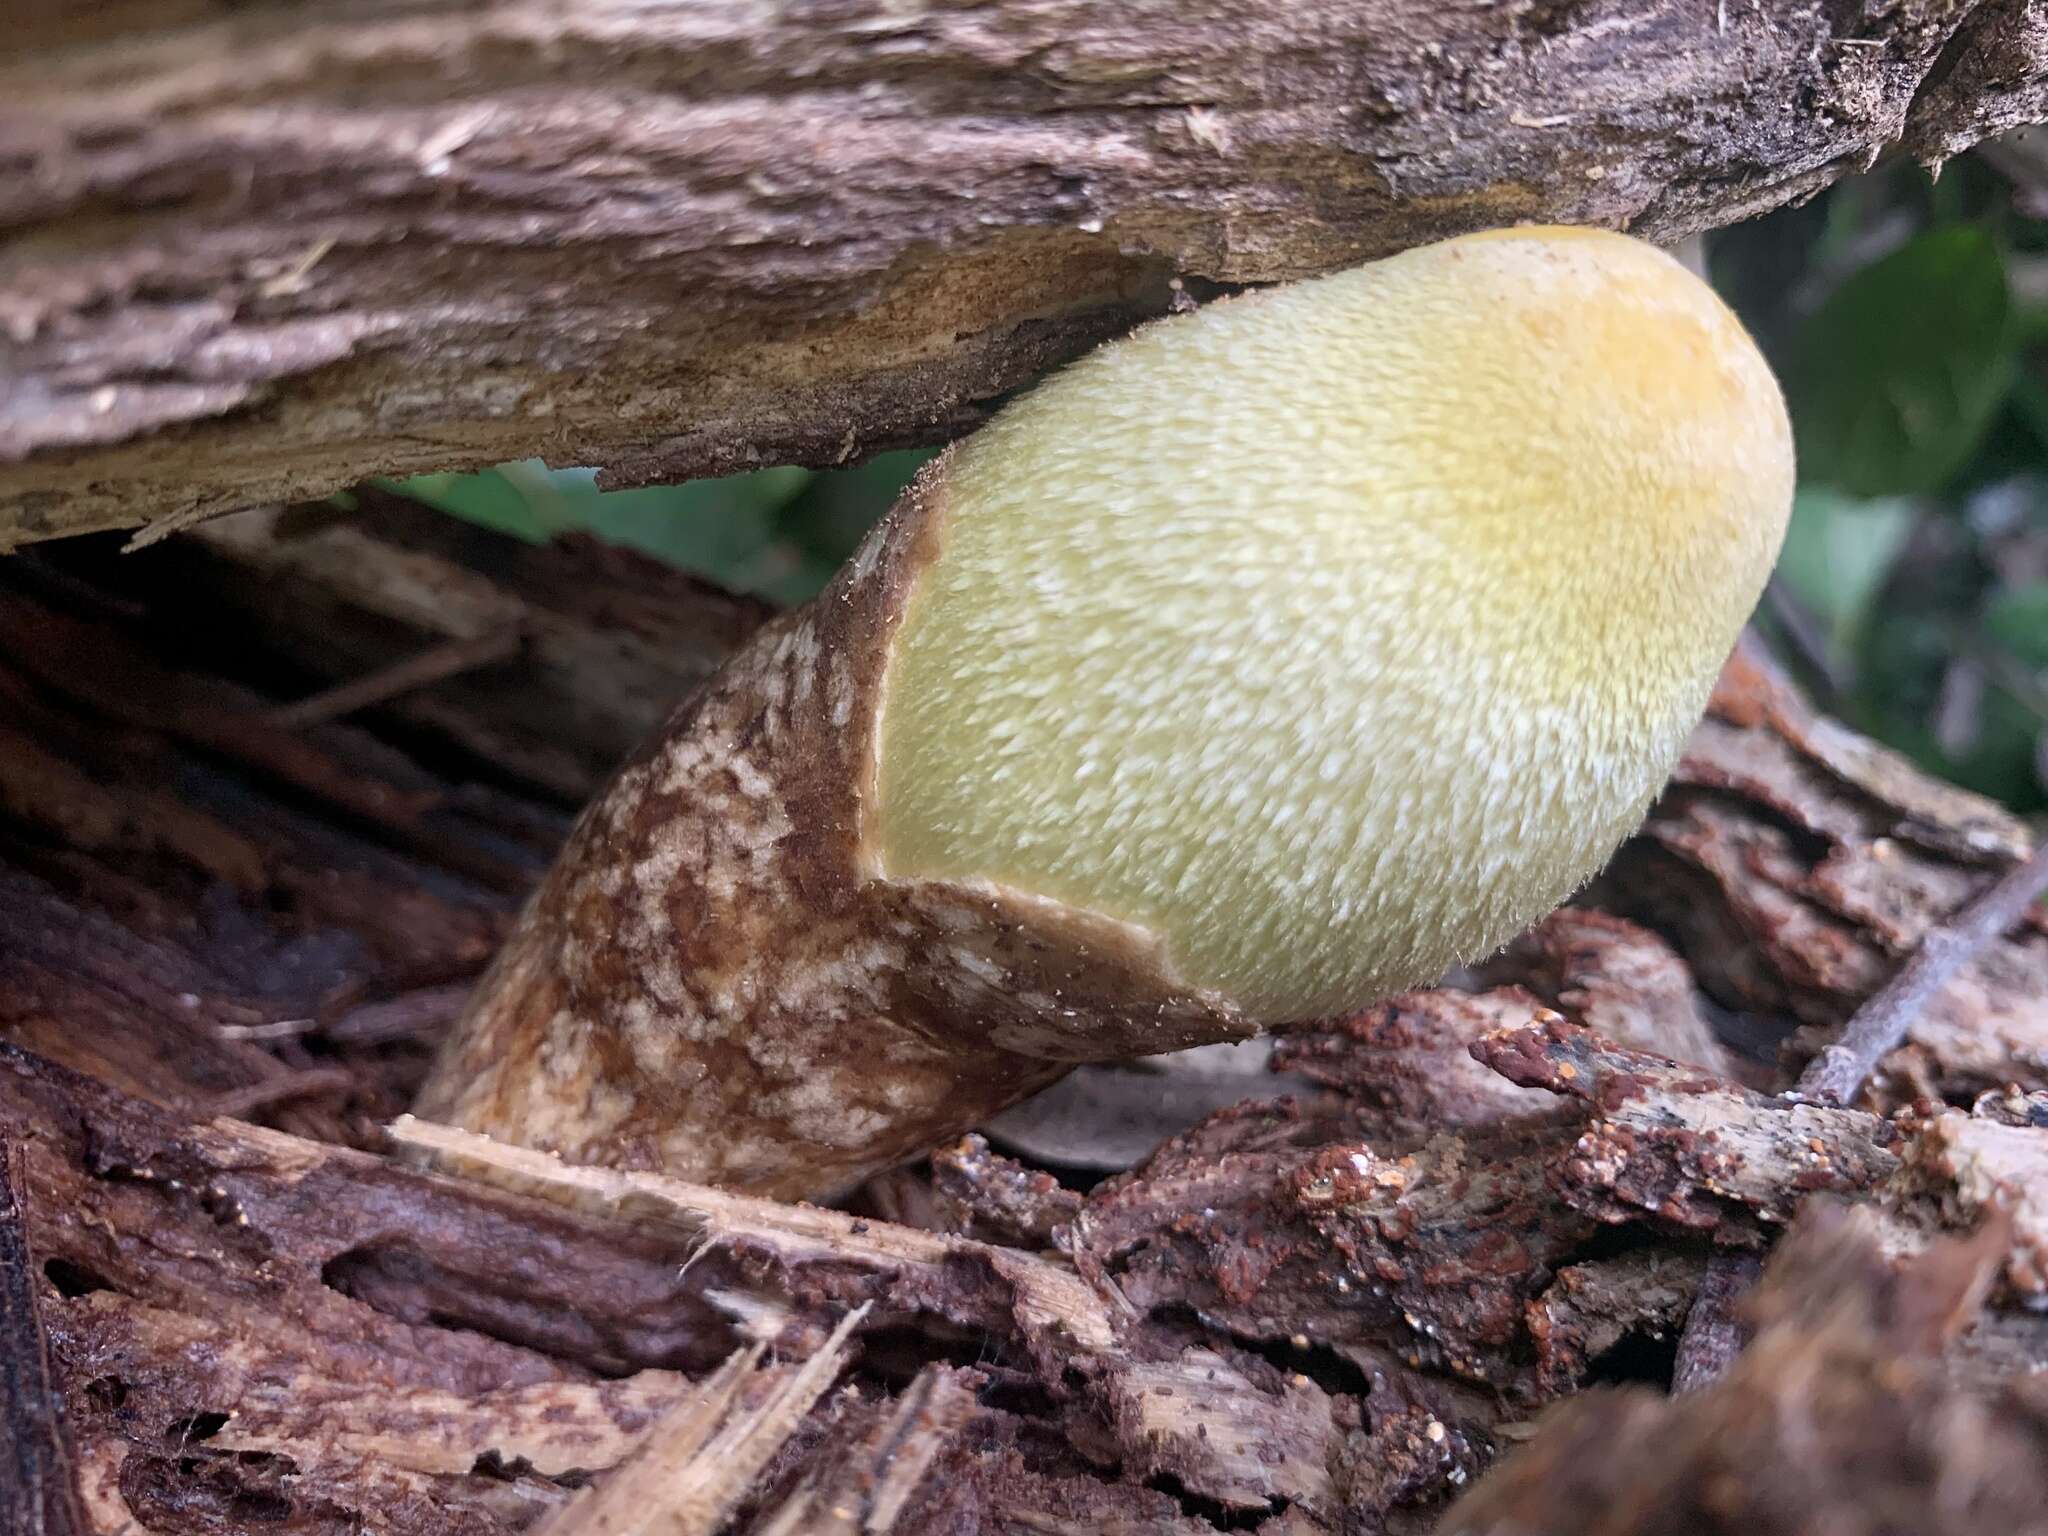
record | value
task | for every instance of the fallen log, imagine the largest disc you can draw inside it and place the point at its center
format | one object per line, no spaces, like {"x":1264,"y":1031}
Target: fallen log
{"x":254,"y":255}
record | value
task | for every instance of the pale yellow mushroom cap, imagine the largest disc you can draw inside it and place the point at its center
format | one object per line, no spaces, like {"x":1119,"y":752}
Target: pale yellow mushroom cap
{"x":1335,"y":633}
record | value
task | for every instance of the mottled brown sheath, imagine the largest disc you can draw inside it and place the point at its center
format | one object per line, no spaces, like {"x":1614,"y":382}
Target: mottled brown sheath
{"x":713,"y":983}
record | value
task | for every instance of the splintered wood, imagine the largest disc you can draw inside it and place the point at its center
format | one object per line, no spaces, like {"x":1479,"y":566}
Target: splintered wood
{"x":1043,"y":1302}
{"x":1343,"y":1309}
{"x":692,"y":1467}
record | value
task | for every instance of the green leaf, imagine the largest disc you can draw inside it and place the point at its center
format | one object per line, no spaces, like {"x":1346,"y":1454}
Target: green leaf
{"x":1902,"y":666}
{"x":1896,"y":378}
{"x":835,"y":511}
{"x":488,"y":498}
{"x":724,"y":529}
{"x":2030,"y":404}
{"x":778,"y":532}
{"x":2017,"y":622}
{"x":1838,"y":550}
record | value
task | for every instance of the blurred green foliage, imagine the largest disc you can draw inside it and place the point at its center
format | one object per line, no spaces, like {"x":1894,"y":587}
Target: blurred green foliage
{"x":778,"y":533}
{"x":1908,"y":318}
{"x":1897,"y":374}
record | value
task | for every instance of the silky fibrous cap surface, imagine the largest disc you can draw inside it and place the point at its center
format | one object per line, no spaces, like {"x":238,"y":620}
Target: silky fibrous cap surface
{"x":1334,"y":633}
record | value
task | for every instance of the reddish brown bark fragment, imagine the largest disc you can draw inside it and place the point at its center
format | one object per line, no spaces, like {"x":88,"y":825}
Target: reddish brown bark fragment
{"x":1840,"y":1416}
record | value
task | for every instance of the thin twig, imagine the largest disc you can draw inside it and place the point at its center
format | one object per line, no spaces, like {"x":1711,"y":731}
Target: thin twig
{"x":1807,"y":640}
{"x":274,"y":1029}
{"x":38,"y":1467}
{"x":1714,"y":1335}
{"x":409,"y":1015}
{"x":238,"y":1103}
{"x":435,"y":664}
{"x":1879,"y":1027}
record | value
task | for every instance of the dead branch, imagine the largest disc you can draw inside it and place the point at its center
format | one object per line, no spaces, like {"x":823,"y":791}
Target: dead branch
{"x":255,"y":255}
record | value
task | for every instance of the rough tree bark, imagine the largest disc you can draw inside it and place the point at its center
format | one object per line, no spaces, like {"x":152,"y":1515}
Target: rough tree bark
{"x":251,"y":252}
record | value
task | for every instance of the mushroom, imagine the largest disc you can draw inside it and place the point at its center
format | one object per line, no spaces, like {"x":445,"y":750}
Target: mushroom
{"x":1256,"y":667}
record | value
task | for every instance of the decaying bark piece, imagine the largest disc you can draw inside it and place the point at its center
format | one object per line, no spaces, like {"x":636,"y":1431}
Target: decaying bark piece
{"x":38,"y":1465}
{"x":1837,"y":1074}
{"x":249,"y":1321}
{"x":1042,"y":1305}
{"x":337,"y":1334}
{"x":1992,"y":1164}
{"x":244,"y":1320}
{"x":309,"y":1273}
{"x":192,"y":897}
{"x":1840,"y":1417}
{"x":254,"y":255}
{"x":1694,"y":1151}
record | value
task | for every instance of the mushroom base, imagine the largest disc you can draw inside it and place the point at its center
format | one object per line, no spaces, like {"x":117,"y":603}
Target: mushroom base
{"x":713,"y":981}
